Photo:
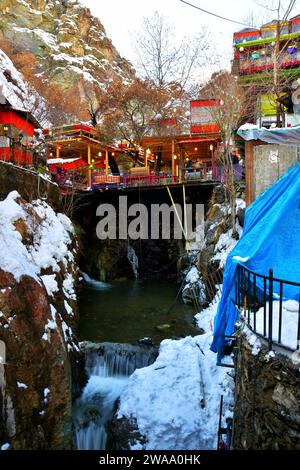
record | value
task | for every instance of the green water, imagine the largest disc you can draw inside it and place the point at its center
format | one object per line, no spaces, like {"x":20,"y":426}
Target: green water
{"x":126,"y":311}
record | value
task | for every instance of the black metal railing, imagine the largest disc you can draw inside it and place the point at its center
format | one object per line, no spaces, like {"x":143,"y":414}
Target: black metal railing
{"x":262,"y":301}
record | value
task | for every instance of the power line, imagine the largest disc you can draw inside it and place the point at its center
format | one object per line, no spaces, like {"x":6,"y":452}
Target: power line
{"x":289,"y":9}
{"x":214,"y":14}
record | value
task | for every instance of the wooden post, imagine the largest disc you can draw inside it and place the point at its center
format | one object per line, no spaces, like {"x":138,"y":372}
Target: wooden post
{"x":187,"y":243}
{"x":106,"y":163}
{"x":89,"y":164}
{"x":57,"y":151}
{"x":181,"y":164}
{"x":173,"y":159}
{"x":249,"y":166}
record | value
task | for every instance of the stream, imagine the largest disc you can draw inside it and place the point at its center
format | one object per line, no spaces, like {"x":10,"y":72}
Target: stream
{"x":126,"y":311}
{"x":114,"y":317}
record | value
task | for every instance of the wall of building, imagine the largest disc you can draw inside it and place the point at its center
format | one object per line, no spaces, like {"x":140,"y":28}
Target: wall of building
{"x":267,"y":407}
{"x":270,"y":163}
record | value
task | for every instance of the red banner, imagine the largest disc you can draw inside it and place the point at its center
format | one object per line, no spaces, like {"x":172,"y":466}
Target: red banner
{"x":202,"y":118}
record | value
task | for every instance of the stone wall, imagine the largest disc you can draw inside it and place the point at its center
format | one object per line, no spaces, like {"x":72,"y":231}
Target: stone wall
{"x":267,"y":408}
{"x":28,"y":184}
{"x":270,"y":163}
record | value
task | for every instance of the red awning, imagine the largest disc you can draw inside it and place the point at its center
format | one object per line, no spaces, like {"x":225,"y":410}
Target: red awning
{"x":12,"y":117}
{"x":73,"y":165}
{"x":76,"y":164}
{"x":100,"y":164}
{"x":80,"y":163}
{"x":196,"y":141}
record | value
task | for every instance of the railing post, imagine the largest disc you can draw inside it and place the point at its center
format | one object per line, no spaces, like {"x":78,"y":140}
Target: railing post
{"x":270,"y":309}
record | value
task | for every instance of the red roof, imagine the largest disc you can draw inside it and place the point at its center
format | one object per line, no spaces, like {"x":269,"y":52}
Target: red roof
{"x":16,"y":118}
{"x":195,"y":141}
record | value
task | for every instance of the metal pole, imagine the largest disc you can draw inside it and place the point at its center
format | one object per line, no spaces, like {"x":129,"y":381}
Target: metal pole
{"x":176,"y":212}
{"x":220,"y":422}
{"x":270,"y":309}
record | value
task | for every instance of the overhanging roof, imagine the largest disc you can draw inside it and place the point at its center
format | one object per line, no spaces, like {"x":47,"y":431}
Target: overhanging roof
{"x":282,"y":136}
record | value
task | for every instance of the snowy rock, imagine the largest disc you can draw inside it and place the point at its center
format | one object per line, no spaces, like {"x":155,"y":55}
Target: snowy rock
{"x":38,"y":251}
{"x":70,"y":45}
{"x":184,"y":374}
{"x":194,"y":289}
{"x":5,"y":446}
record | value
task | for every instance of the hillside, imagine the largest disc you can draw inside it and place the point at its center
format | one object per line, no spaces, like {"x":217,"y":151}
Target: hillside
{"x":59,"y":43}
{"x":18,"y":92}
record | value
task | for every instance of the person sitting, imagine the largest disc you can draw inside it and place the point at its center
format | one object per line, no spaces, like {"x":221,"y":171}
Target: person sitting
{"x":188,"y":165}
{"x":235,"y":157}
{"x":197,"y":165}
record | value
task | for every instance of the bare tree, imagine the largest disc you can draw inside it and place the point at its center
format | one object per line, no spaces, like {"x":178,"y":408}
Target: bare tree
{"x":163,"y":59}
{"x":231,"y":107}
{"x":132,"y":107}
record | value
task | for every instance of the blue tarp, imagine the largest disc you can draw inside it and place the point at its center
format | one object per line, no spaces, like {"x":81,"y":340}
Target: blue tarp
{"x":270,"y":240}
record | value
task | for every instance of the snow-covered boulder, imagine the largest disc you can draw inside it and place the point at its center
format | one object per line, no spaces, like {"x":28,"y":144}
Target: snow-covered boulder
{"x":194,"y":291}
{"x":37,"y":314}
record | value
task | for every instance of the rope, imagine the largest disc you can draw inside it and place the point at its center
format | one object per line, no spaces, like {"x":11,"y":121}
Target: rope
{"x":43,"y":198}
{"x":177,"y":215}
{"x":177,"y":295}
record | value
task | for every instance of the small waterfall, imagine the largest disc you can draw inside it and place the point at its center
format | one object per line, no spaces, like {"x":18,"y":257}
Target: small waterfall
{"x":108,"y":367}
{"x":134,"y":261}
{"x":93,"y":283}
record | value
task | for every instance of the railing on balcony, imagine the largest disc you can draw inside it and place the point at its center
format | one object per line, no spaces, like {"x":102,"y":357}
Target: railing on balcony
{"x":100,"y":180}
{"x":265,"y":62}
{"x":270,"y":307}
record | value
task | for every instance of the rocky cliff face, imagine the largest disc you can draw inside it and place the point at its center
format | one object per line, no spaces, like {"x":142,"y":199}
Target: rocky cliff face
{"x":267,"y":407}
{"x":38,"y":312}
{"x":68,"y":42}
{"x":207,"y":270}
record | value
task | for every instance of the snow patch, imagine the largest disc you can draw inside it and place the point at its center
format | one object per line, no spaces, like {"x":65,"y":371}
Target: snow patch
{"x":50,"y":283}
{"x":21,"y":385}
{"x":186,"y":376}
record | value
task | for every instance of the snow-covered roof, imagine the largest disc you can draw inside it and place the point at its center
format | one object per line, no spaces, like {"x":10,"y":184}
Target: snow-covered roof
{"x":15,"y":91}
{"x":53,"y":161}
{"x":13,"y":87}
{"x":283,"y":136}
{"x":246,"y":30}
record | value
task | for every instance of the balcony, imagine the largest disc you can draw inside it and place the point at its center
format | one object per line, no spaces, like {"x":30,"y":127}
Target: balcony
{"x":265,"y":62}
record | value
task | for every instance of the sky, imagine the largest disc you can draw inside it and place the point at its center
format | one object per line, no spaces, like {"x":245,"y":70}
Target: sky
{"x":121,"y":17}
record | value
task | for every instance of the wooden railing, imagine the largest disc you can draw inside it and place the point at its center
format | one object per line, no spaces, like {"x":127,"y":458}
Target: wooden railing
{"x":99,"y":180}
